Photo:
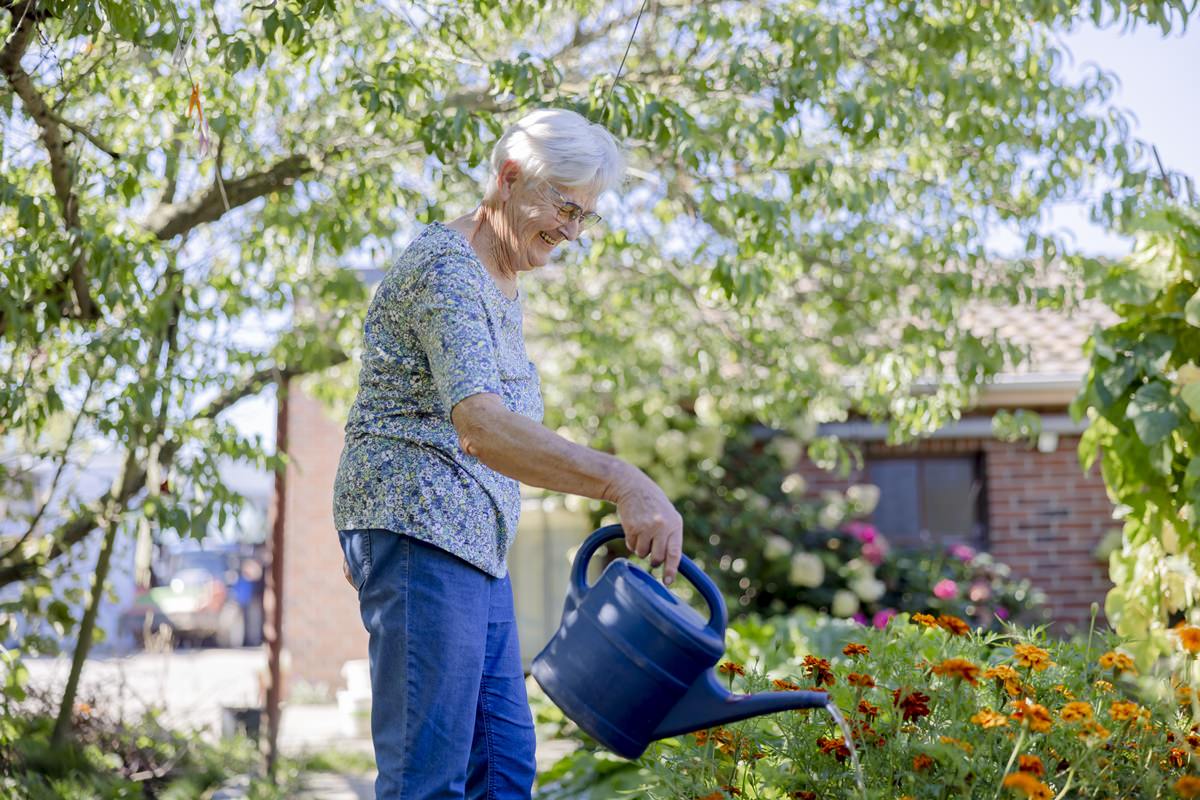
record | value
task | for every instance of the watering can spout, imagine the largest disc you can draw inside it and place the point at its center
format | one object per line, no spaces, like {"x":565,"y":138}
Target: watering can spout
{"x":707,"y":704}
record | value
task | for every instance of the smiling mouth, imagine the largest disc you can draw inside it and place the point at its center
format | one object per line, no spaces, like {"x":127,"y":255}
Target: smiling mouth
{"x":546,"y":238}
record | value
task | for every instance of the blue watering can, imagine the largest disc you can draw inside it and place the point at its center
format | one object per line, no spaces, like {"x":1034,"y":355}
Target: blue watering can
{"x":631,"y":663}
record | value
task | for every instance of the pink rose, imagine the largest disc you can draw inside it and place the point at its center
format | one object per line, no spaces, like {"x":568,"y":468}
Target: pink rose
{"x":863,"y":531}
{"x":962,"y":552}
{"x":945,"y":589}
{"x":882,"y":618}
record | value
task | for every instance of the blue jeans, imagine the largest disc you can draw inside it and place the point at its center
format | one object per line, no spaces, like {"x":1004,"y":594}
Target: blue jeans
{"x":449,"y":713}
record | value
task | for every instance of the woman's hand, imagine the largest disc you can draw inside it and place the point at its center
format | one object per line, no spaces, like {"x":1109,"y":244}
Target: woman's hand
{"x":652,"y":526}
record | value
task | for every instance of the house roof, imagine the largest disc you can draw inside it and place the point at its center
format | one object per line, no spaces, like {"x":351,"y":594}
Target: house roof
{"x":1053,"y":339}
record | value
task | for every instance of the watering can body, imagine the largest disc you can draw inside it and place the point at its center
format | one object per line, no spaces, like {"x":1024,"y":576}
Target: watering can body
{"x":631,"y":663}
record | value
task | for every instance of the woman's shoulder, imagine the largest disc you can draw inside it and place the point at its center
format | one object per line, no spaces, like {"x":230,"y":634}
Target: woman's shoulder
{"x":439,"y":257}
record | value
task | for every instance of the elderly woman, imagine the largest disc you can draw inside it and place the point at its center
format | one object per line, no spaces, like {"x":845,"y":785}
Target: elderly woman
{"x":447,"y":422}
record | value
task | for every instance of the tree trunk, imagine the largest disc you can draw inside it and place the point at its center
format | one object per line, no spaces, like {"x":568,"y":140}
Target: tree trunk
{"x":84,"y":643}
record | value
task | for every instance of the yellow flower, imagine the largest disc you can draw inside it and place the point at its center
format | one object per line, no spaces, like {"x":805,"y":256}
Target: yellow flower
{"x":1064,"y":691}
{"x":953,"y":624}
{"x":966,"y":747}
{"x":731,"y":668}
{"x":1010,"y":677}
{"x":1123,"y":710}
{"x":1189,"y":637}
{"x":987,"y":718}
{"x":1034,"y":714}
{"x":1028,"y":785}
{"x":924,"y":619}
{"x":1093,"y":730}
{"x":959,"y":668}
{"x":1032,"y":657}
{"x":1104,"y":686}
{"x":1076,"y":712}
{"x":1118,"y":662}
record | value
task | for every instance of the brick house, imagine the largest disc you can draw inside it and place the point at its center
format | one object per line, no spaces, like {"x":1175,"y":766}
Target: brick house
{"x":1032,"y":507}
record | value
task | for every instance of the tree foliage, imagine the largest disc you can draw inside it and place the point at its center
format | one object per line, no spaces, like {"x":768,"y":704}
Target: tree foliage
{"x":1142,"y":400}
{"x":184,"y":185}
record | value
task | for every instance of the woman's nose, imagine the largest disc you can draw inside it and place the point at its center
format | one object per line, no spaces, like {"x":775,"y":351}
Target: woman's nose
{"x":570,"y":229}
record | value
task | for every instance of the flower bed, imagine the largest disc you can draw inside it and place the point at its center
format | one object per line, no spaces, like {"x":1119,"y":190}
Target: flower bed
{"x":937,"y":710}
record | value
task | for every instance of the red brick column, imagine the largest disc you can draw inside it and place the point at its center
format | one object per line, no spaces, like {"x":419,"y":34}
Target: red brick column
{"x":321,"y":625}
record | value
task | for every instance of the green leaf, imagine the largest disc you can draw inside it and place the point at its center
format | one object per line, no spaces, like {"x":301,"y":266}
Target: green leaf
{"x":1152,"y":412}
{"x":1191,"y":311}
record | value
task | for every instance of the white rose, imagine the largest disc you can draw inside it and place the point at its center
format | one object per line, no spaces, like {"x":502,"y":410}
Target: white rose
{"x":868,"y":588}
{"x":807,"y":570}
{"x":776,"y":547}
{"x":845,"y":603}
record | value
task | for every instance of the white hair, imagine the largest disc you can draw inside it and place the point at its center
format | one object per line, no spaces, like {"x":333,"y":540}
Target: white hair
{"x":560,"y":146}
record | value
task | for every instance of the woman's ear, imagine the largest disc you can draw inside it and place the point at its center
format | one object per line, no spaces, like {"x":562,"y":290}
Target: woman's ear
{"x":510,"y":171}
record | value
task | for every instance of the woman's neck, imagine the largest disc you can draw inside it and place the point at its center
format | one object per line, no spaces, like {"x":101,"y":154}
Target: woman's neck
{"x":481,"y":235}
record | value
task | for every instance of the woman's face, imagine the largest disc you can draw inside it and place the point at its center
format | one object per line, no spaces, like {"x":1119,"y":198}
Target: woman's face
{"x":536,"y":225}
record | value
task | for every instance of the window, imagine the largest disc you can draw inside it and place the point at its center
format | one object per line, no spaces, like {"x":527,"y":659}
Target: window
{"x":930,"y":500}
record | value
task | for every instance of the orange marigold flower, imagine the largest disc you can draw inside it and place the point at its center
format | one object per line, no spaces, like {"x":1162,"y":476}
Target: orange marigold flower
{"x":1123,"y":710}
{"x":863,"y":680}
{"x":1094,"y":730}
{"x":855,"y":649}
{"x":921,"y":762}
{"x":868,"y":710}
{"x":987,"y":718}
{"x":1032,"y":657}
{"x":1176,"y":757}
{"x":966,"y":747}
{"x":717,"y":795}
{"x":1028,"y":785}
{"x":1103,"y":686}
{"x":731,"y":668}
{"x":835,"y":747}
{"x":733,"y":791}
{"x":803,"y":794}
{"x":914,"y":704}
{"x":959,"y":668}
{"x":953,"y":624}
{"x":1183,"y":695}
{"x":1076,"y":712}
{"x":1031,"y":764}
{"x":781,"y":685}
{"x":1034,"y":714}
{"x":1009,"y":676}
{"x":1116,"y":661}
{"x":1064,"y":691}
{"x":924,"y":619}
{"x":1193,"y":740}
{"x":819,"y":669}
{"x":1189,"y":637}
{"x":1188,"y":786}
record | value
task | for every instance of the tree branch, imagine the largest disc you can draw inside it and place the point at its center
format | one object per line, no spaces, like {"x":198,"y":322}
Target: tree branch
{"x":103,"y":511}
{"x":169,"y":220}
{"x":25,"y":18}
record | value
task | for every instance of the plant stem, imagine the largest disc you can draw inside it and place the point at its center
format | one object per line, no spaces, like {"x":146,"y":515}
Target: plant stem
{"x":1011,"y":758}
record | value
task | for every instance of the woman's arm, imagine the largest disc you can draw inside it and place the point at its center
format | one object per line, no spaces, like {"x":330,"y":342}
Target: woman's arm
{"x":531,"y":453}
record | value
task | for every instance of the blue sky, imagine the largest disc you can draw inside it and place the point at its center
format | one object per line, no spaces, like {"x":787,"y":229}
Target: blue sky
{"x":1159,"y":83}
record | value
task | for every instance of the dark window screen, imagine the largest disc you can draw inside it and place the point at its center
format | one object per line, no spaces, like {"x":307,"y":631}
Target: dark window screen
{"x":929,"y":500}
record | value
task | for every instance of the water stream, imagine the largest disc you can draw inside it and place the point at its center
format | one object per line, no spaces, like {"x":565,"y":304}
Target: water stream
{"x":849,"y":739}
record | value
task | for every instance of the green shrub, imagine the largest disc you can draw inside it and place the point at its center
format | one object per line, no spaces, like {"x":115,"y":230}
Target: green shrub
{"x":937,"y":710}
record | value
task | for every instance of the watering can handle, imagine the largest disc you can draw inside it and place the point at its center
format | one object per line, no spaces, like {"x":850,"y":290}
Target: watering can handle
{"x":687,"y":568}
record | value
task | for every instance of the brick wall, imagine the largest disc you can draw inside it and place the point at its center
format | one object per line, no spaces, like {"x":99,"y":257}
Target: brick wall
{"x":321,"y":625}
{"x":1044,"y":516}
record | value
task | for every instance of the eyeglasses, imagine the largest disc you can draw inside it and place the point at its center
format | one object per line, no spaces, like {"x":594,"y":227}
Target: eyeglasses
{"x":569,"y":211}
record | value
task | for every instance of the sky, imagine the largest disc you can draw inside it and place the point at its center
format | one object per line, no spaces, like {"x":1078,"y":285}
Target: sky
{"x":1159,"y":83}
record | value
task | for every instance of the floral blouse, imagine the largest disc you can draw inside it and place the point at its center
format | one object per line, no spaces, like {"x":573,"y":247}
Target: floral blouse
{"x":437,"y":331}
